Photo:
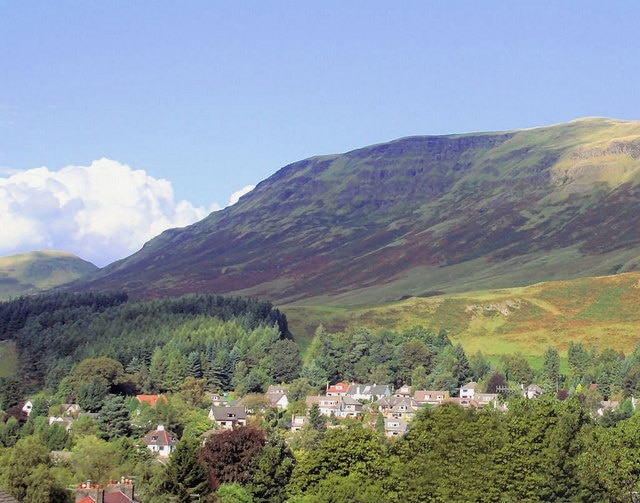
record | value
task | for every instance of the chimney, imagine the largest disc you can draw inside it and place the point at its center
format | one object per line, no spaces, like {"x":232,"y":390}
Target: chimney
{"x":95,"y":492}
{"x":125,"y":486}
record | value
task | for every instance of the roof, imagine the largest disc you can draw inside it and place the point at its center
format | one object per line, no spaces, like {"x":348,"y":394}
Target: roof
{"x":116,"y":497}
{"x":86,"y":499}
{"x":470,"y":385}
{"x":229,"y":413}
{"x":5,"y":497}
{"x":339,"y":388}
{"x":151,"y":399}
{"x":160,"y":437}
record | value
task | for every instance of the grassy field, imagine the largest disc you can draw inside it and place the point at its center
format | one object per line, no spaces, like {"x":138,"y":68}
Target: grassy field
{"x":601,"y":312}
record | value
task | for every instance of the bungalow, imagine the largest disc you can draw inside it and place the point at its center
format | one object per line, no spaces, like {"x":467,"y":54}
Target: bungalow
{"x":229,"y":417}
{"x":160,"y":441}
{"x":65,"y":422}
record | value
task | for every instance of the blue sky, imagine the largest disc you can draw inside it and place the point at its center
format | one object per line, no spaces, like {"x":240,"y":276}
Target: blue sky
{"x":213,"y":97}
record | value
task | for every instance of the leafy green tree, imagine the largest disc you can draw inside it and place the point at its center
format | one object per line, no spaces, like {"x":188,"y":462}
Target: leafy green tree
{"x":11,"y":392}
{"x":270,"y":471}
{"x":450,"y":454}
{"x":113,"y":421}
{"x":104,"y":370}
{"x":283,"y":362}
{"x":609,"y":466}
{"x":354,"y":452}
{"x":91,"y":394}
{"x":233,"y":493}
{"x":544,"y":440}
{"x":25,"y":472}
{"x":9,"y":432}
{"x":517,"y":369}
{"x":94,"y":459}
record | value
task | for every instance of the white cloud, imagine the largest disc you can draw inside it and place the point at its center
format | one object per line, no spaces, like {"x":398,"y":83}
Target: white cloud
{"x":102,"y":212}
{"x":235,"y":197}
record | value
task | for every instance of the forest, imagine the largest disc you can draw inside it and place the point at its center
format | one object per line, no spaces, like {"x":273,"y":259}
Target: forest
{"x":100,"y":350}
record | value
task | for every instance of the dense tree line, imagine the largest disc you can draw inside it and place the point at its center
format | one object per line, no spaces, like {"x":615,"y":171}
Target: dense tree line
{"x":158,"y":344}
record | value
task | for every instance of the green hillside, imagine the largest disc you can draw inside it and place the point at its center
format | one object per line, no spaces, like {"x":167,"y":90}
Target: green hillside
{"x":34,"y":272}
{"x":412,"y":217}
{"x":599,"y":311}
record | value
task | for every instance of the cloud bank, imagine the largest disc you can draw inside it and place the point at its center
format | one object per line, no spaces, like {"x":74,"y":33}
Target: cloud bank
{"x":102,"y":212}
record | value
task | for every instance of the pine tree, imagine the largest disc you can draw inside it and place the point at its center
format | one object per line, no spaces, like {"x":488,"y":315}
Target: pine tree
{"x":114,"y":419}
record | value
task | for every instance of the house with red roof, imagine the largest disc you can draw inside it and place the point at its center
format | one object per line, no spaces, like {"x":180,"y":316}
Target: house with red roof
{"x":338,"y":389}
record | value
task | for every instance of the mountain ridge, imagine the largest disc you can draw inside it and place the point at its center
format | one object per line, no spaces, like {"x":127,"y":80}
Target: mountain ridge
{"x":412,"y":216}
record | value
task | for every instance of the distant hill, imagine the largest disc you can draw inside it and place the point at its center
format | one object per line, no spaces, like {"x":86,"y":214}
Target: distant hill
{"x":415,"y":217}
{"x":37,"y":271}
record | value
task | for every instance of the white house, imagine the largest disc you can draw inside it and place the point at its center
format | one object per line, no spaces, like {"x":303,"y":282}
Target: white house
{"x":160,"y":441}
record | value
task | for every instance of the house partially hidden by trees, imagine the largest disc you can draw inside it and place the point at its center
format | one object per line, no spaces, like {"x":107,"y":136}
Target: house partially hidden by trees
{"x":229,"y":417}
{"x":160,"y":441}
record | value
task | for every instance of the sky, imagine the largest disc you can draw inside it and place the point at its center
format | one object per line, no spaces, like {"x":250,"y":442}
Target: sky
{"x":119,"y":119}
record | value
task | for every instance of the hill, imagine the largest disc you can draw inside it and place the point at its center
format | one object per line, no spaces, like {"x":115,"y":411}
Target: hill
{"x":598,"y":312}
{"x":413,"y":217}
{"x":34,"y":272}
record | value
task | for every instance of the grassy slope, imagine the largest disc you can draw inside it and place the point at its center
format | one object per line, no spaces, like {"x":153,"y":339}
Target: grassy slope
{"x":600,"y":311}
{"x":33,"y":272}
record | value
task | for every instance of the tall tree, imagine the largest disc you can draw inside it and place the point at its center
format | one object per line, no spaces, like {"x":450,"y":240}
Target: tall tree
{"x":185,"y":476}
{"x":227,"y":456}
{"x":114,"y":419}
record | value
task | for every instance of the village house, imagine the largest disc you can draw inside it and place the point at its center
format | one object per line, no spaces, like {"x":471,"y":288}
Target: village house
{"x":397,"y":407}
{"x":394,"y":427}
{"x":297,"y":422}
{"x":338,"y":389}
{"x":429,"y":397}
{"x":532,"y":391}
{"x":403,"y":391}
{"x":468,"y":390}
{"x":277,"y":396}
{"x":328,"y":405}
{"x":160,"y":441}
{"x":216,"y":399}
{"x":349,"y":407}
{"x":229,"y":417}
{"x":487,"y":399}
{"x":370,"y":392}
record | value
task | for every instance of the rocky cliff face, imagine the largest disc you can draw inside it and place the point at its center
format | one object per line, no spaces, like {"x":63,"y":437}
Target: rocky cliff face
{"x":413,"y":215}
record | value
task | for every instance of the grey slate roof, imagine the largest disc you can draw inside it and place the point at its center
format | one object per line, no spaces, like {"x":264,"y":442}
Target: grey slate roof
{"x":5,"y":497}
